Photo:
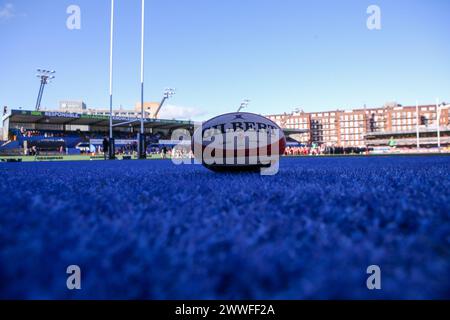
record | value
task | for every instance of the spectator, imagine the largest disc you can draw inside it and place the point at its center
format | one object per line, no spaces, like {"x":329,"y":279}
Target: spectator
{"x":105,"y":147}
{"x":163,"y":152}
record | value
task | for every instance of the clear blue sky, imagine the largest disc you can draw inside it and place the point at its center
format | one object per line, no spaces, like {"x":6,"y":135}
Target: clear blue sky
{"x":280,"y":54}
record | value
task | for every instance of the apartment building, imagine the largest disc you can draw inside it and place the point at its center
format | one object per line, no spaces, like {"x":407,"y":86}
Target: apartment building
{"x":295,"y":120}
{"x":350,"y":128}
{"x":325,"y":127}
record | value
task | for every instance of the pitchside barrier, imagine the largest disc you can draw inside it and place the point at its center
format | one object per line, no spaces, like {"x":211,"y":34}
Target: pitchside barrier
{"x":12,"y":160}
{"x":49,"y":158}
{"x":100,"y":157}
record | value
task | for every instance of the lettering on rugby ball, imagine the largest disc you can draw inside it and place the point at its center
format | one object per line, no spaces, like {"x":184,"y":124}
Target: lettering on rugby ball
{"x":238,"y":141}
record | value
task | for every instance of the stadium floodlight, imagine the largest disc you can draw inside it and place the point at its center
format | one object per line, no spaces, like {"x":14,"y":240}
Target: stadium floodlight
{"x":168,"y":93}
{"x":45,"y":76}
{"x":298,"y":110}
{"x":244,"y":104}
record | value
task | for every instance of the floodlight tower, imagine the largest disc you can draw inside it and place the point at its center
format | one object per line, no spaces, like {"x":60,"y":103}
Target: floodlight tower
{"x":46,"y":76}
{"x":168,"y":93}
{"x":244,"y":104}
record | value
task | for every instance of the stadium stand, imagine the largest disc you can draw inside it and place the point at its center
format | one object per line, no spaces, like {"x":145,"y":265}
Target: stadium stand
{"x":36,"y":132}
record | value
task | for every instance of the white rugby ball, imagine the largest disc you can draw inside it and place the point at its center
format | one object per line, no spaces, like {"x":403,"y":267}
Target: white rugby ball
{"x":238,"y":141}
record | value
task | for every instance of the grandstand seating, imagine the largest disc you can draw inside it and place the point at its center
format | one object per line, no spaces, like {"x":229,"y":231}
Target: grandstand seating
{"x":10,"y":147}
{"x":70,"y":138}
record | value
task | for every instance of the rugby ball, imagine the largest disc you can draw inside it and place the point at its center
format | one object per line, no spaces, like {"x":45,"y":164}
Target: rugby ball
{"x":238,"y":141}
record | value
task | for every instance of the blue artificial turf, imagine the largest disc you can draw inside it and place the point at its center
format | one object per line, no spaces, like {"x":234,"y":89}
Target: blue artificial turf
{"x":150,"y":229}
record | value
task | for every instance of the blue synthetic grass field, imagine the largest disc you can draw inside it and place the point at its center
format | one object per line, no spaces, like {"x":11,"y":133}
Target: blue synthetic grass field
{"x":150,"y":229}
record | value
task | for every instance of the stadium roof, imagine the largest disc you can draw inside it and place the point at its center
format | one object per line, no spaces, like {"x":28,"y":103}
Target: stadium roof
{"x":63,"y":118}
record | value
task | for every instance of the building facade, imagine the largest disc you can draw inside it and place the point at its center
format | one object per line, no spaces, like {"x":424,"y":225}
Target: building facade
{"x":150,"y":109}
{"x":73,"y":106}
{"x":358,"y":127}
